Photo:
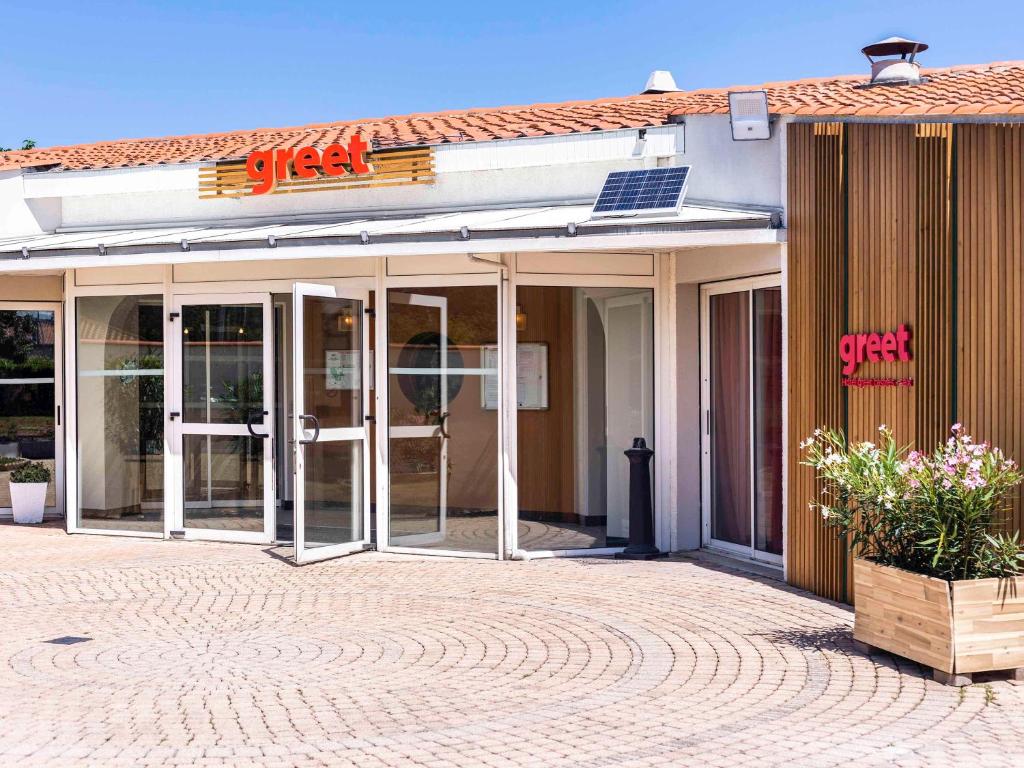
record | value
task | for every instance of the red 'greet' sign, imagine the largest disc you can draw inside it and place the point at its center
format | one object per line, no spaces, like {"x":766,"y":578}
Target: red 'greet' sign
{"x":855,"y":348}
{"x":267,"y":166}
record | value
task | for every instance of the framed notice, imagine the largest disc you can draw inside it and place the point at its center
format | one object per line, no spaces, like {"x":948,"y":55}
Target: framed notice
{"x":531,"y":377}
{"x":342,"y":369}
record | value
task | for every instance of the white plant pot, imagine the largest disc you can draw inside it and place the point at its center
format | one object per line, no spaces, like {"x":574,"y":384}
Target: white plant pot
{"x":28,"y":500}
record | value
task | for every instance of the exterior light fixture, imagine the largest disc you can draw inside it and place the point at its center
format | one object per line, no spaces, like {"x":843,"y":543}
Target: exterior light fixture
{"x":570,"y":228}
{"x":464,"y":232}
{"x":345,"y":321}
{"x":102,"y":249}
{"x":748,"y":113}
{"x":184,"y":245}
{"x":24,"y":253}
{"x":364,"y":237}
{"x":271,"y":241}
{"x":520,"y":318}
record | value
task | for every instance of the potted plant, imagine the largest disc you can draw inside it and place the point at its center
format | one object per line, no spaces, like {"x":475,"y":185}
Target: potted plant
{"x":28,"y":492}
{"x":936,"y":577}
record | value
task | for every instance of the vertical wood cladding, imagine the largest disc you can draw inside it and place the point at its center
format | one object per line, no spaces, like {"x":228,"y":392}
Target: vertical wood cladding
{"x":989,"y":255}
{"x":869,"y":249}
{"x":817,"y":234}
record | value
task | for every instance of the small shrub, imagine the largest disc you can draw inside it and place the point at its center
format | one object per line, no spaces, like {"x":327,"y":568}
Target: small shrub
{"x":33,"y":472}
{"x":935,"y":513}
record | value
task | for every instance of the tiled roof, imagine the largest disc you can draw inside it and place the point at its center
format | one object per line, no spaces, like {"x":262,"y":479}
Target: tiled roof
{"x":986,"y":89}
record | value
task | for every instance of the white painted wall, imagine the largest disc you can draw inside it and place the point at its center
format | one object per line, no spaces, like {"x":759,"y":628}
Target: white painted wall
{"x":727,"y":171}
{"x":20,"y":215}
{"x":547,"y":169}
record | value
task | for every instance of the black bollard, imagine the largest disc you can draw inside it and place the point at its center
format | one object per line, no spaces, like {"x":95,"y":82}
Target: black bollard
{"x":641,"y":511}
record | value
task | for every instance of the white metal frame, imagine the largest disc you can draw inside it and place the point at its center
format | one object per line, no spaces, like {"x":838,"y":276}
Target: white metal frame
{"x":179,"y":428}
{"x":327,"y":434}
{"x":409,"y":284}
{"x":664,"y":455}
{"x":59,"y":411}
{"x":71,"y":489}
{"x":741,"y":285}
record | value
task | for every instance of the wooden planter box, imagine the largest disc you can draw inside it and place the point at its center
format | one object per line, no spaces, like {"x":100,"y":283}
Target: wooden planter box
{"x":956,"y":627}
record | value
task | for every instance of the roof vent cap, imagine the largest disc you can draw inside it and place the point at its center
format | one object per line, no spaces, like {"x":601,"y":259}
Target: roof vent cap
{"x":899,"y":67}
{"x":661,"y":81}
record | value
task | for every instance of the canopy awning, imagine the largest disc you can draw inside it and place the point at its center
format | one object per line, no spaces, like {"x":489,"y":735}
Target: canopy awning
{"x":555,"y":227}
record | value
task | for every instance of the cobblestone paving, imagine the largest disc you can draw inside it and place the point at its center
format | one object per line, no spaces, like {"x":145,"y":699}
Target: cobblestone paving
{"x":219,"y":654}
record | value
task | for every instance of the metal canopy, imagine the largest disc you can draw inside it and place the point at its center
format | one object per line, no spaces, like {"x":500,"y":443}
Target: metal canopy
{"x":504,"y":223}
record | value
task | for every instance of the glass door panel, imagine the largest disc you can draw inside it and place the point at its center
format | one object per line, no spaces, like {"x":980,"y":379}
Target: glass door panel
{"x":28,"y":385}
{"x":443,"y":401}
{"x":730,"y":417}
{"x":331,"y":455}
{"x":119,"y":356}
{"x":768,"y":420}
{"x":225,"y":429}
{"x":742,"y":395}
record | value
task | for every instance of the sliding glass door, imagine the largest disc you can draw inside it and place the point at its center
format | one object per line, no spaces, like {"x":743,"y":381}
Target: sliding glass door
{"x":741,"y":381}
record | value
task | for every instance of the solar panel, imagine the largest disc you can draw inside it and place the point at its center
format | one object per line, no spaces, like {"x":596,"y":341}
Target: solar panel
{"x":655,"y":190}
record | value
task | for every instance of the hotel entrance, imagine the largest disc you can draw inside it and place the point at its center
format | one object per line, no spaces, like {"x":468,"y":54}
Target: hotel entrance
{"x":460,"y":414}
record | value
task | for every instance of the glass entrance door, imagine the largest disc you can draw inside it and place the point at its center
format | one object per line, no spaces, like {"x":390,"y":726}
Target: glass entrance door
{"x":443,"y":406}
{"x":331,"y":441}
{"x":741,"y":380}
{"x":222,"y":418}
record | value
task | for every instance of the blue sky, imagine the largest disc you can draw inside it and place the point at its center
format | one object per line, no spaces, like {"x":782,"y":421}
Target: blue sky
{"x":75,"y":72}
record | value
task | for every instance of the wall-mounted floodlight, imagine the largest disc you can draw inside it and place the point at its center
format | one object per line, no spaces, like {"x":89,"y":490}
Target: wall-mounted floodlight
{"x":24,"y":253}
{"x":184,"y":245}
{"x":748,"y":113}
{"x":271,"y":241}
{"x":464,"y":232}
{"x":364,"y":237}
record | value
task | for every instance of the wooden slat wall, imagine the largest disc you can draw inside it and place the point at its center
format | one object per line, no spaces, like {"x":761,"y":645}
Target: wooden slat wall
{"x":816,"y":560}
{"x":869,"y":248}
{"x":990,"y":259}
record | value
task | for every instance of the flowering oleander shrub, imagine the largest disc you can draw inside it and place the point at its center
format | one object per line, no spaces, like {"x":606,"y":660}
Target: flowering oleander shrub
{"x":935,"y":513}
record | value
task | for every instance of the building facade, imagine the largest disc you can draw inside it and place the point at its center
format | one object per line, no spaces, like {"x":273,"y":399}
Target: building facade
{"x":449,"y":351}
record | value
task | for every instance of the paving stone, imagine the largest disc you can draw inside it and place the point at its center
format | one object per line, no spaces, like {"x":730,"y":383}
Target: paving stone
{"x":217,"y":654}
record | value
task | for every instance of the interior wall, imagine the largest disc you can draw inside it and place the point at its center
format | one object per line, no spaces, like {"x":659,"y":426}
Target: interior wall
{"x":546,"y":461}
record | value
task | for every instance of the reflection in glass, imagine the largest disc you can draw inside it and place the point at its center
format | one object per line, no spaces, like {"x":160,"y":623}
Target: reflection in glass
{"x":222,"y":368}
{"x":120,"y":377}
{"x":443,"y":436}
{"x":333,"y":361}
{"x":768,"y":420}
{"x":27,"y":421}
{"x":334,"y":495}
{"x":573,"y":478}
{"x":223,"y":482}
{"x":730,"y":417}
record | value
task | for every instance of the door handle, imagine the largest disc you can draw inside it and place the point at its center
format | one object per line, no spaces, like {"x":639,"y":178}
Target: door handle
{"x":174,"y":415}
{"x":316,"y":428}
{"x":442,"y":423}
{"x":252,"y":418}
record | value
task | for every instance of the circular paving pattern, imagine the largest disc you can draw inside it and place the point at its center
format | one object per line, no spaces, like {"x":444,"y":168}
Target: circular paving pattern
{"x":226,"y":655}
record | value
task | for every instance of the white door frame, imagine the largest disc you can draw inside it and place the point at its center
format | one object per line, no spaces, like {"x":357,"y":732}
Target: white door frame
{"x":409,"y":284}
{"x":334,"y":434}
{"x":175,"y":519}
{"x":664,"y":454}
{"x":741,"y":285}
{"x":59,"y":411}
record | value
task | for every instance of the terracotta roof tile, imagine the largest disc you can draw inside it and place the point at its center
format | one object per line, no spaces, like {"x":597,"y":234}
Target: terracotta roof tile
{"x":986,"y":89}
